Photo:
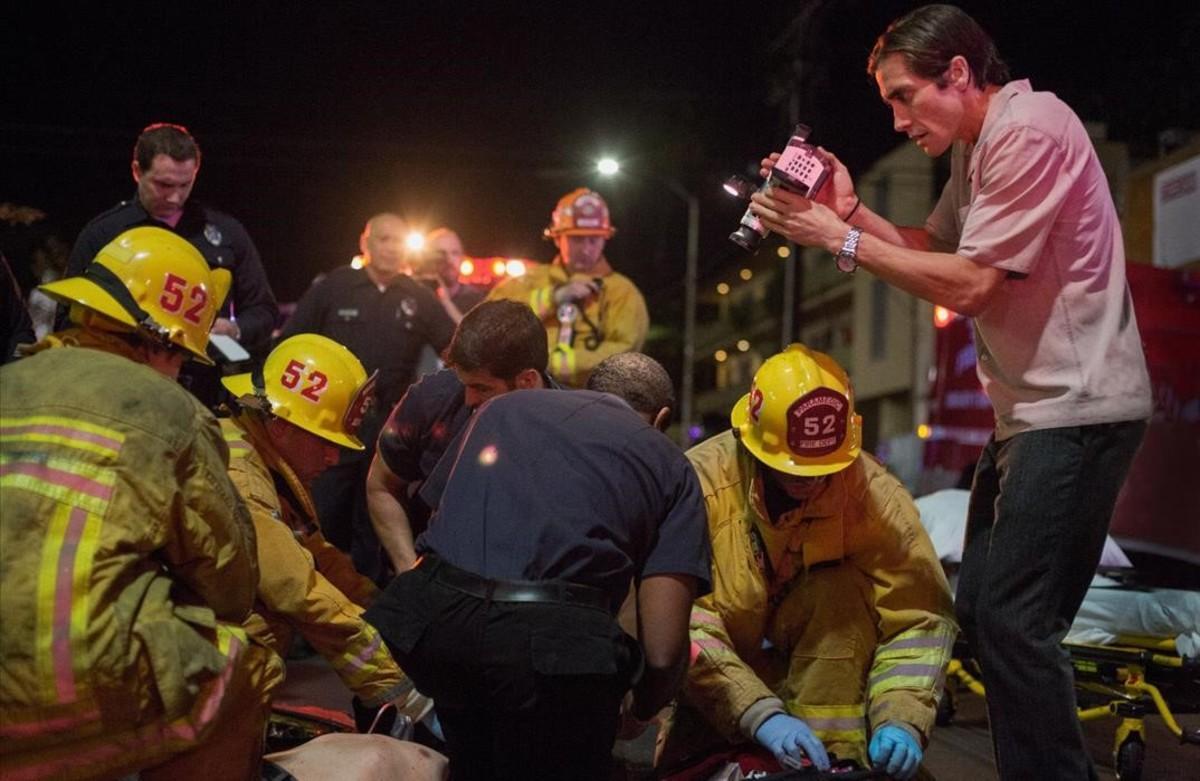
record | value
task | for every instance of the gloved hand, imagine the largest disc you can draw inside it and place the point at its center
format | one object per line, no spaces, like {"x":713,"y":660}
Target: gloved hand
{"x":895,"y":751}
{"x":575,"y":290}
{"x":787,"y":737}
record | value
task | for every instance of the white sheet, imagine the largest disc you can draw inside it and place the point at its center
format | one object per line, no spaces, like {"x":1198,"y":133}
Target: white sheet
{"x":1107,"y":609}
{"x":1107,"y":612}
{"x":944,"y":516}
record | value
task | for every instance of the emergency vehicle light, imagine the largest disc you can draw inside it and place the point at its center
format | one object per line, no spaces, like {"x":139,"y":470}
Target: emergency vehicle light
{"x":943,"y":317}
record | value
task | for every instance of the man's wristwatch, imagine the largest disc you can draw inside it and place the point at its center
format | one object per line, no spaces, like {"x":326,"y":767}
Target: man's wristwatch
{"x":847,"y":257}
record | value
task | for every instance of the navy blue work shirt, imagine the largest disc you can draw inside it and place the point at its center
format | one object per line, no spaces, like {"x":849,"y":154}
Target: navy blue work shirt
{"x":574,"y":486}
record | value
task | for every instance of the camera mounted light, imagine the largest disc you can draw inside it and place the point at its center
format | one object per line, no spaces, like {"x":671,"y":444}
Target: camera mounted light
{"x":739,"y":187}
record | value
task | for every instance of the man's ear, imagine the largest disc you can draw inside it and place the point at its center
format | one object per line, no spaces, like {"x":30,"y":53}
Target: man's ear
{"x":960,"y":72}
{"x":528,"y":379}
{"x":662,"y":419}
{"x":136,"y":170}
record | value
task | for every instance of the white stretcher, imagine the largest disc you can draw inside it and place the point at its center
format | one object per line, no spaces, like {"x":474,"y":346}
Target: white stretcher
{"x":1109,"y":610}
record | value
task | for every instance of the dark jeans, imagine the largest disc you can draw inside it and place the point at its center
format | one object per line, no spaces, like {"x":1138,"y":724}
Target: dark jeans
{"x":522,"y":690}
{"x":340,"y":497}
{"x":1039,"y":513}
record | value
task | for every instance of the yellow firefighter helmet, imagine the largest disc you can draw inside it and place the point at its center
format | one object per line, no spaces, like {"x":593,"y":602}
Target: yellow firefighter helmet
{"x":581,"y":212}
{"x":148,"y":281}
{"x":799,"y":417}
{"x":312,"y":382}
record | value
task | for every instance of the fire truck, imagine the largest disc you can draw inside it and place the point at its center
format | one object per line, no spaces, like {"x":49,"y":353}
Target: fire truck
{"x":1158,"y":510}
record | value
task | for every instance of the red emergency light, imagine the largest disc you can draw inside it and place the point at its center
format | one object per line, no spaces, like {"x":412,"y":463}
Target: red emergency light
{"x":492,"y":270}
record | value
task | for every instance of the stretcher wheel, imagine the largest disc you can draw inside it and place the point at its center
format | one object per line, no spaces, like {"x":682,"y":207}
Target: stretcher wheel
{"x":946,"y":708}
{"x":1130,"y":757}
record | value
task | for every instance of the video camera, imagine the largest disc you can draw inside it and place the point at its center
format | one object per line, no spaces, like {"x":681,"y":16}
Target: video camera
{"x":800,"y":169}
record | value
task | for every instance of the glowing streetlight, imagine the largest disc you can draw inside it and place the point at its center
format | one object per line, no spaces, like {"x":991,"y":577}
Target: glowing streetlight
{"x":415,"y":241}
{"x":722,"y":288}
{"x":607,"y":166}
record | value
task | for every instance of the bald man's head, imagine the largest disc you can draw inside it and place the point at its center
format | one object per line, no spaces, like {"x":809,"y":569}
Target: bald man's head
{"x":382,"y":245}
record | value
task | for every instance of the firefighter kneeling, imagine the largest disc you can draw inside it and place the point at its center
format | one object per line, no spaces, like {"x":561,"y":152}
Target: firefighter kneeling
{"x":290,"y":419}
{"x":126,"y":557}
{"x":830,"y":619}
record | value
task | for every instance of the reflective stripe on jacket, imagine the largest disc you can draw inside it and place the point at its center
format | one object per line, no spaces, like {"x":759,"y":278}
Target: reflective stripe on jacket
{"x":618,"y":313}
{"x":293,"y":594}
{"x":864,"y":519}
{"x":122,"y":542}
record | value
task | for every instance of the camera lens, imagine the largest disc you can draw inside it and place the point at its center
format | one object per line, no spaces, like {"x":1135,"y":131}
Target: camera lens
{"x":746,"y":237}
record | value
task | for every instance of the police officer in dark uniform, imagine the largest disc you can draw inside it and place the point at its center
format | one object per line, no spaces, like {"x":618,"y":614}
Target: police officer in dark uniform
{"x":166,"y":160}
{"x":385,"y":318}
{"x":551,"y":506}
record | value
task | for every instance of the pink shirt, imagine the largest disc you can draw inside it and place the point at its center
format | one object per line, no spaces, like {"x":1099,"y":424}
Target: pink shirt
{"x":1058,"y":345}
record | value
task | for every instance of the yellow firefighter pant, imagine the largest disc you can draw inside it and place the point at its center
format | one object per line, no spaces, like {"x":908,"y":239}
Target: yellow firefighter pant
{"x":222,"y":738}
{"x":822,"y":642}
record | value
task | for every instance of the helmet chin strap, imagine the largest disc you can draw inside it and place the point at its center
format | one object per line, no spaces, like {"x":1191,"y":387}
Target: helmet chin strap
{"x":110,"y":283}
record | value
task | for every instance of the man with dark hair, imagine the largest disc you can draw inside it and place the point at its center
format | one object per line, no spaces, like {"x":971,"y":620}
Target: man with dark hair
{"x":1026,"y":241}
{"x":498,"y":347}
{"x":166,"y":161}
{"x":553,"y":505}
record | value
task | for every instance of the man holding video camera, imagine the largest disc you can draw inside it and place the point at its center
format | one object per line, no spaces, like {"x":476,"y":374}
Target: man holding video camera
{"x":1024,"y":240}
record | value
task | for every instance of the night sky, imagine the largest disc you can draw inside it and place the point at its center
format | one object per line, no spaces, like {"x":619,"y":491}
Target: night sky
{"x":479,"y":115}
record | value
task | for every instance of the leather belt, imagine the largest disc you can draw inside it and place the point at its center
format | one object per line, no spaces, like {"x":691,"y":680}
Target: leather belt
{"x":549,"y":591}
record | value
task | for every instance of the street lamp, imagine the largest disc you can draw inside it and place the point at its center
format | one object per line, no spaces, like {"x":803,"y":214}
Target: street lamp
{"x":608,"y":167}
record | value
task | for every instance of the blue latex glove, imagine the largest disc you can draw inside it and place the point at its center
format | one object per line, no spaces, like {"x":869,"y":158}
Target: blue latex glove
{"x":895,"y":751}
{"x":787,"y":737}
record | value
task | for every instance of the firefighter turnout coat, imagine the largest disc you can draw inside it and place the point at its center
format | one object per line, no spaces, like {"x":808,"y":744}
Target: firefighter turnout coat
{"x":838,"y":614}
{"x":613,"y":321}
{"x":127,"y":563}
{"x":306,"y":585}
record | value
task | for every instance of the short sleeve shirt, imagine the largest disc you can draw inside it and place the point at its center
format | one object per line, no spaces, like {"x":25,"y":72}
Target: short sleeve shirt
{"x":422,"y":425}
{"x":385,"y":329}
{"x":575,"y":486}
{"x":1058,"y":344}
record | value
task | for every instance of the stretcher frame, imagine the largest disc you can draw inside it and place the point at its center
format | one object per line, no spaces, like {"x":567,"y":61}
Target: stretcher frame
{"x":1117,"y":675}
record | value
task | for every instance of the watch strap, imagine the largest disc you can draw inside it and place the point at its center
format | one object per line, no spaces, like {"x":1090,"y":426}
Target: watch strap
{"x":847,"y":257}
